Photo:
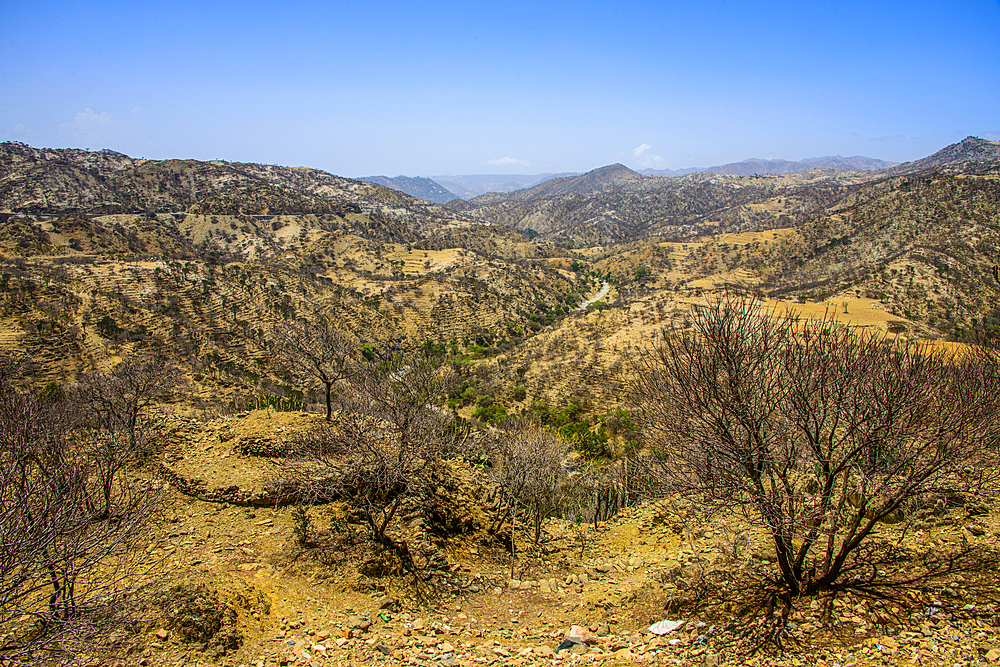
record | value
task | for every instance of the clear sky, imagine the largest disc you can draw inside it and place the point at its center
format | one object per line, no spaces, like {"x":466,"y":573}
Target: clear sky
{"x":417,"y":88}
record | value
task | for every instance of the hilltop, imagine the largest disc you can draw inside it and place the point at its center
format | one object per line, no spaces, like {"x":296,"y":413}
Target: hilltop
{"x":972,"y":153}
{"x":593,"y":182}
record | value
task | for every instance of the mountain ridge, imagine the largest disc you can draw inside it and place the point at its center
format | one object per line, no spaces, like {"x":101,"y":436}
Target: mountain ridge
{"x":971,"y":150}
{"x":755,"y":166}
{"x":419,"y":187}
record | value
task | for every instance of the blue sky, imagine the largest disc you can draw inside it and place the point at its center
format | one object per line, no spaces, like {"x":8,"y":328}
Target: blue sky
{"x":420,"y":88}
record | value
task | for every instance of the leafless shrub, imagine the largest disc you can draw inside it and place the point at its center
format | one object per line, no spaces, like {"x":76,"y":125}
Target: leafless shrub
{"x":316,"y":351}
{"x":383,"y":447}
{"x":69,"y":567}
{"x":121,"y":400}
{"x":116,"y":408}
{"x":528,"y":465}
{"x":817,"y":431}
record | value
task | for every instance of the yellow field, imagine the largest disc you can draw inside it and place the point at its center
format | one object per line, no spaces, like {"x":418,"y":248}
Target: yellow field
{"x":859,"y":311}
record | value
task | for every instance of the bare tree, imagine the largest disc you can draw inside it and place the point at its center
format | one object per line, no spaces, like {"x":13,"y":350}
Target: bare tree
{"x":121,"y":400}
{"x":69,"y":572}
{"x":527,"y":466}
{"x":816,"y":430}
{"x":317,"y":351}
{"x":117,"y":407}
{"x":384,"y":447}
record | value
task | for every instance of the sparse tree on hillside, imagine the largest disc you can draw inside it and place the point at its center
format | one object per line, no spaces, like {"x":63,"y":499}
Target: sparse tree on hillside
{"x":818,"y":431}
{"x":317,"y":351}
{"x":70,"y":566}
{"x":528,"y":468}
{"x":117,"y":409}
{"x":389,"y":437}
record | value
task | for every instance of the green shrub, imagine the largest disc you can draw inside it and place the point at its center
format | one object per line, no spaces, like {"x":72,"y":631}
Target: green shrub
{"x":279,"y":403}
{"x":489,"y":412}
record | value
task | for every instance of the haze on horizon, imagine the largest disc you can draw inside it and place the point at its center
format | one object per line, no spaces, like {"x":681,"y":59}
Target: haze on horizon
{"x":421,"y":88}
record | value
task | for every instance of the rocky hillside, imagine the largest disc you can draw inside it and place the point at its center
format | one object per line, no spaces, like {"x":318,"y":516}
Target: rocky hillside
{"x":658,"y":583}
{"x":972,"y":153}
{"x":676,"y":208}
{"x":55,"y":181}
{"x":926,"y":247}
{"x":421,"y":188}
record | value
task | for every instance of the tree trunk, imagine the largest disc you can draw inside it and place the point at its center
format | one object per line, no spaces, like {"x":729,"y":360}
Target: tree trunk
{"x":513,"y":522}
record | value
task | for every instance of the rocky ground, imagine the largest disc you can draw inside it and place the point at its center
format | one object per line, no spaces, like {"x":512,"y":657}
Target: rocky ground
{"x":236,"y":588}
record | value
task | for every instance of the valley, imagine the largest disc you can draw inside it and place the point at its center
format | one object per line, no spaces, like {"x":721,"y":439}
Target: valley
{"x":539,"y":304}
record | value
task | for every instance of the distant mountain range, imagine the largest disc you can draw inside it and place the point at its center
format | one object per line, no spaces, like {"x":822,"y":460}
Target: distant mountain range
{"x":759,"y":166}
{"x":473,"y":185}
{"x":442,"y":189}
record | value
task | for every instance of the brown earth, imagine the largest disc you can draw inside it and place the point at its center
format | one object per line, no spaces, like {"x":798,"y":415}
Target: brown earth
{"x":237,"y":589}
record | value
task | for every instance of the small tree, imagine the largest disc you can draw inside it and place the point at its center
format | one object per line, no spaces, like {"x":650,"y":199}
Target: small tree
{"x":383,"y":448}
{"x":117,"y":408}
{"x":528,"y":469}
{"x":316,"y":351}
{"x":70,"y":566}
{"x":816,"y":430}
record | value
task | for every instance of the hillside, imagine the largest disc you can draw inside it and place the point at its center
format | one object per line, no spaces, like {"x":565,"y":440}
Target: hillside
{"x":539,"y":304}
{"x":631,"y":208}
{"x":925,"y":247}
{"x":421,"y":188}
{"x":54,"y":181}
{"x":968,"y":154}
{"x":203,"y":289}
{"x":756,"y":166}
{"x":243,"y":590}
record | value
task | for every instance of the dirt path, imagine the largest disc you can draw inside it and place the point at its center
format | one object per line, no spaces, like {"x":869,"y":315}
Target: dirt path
{"x":600,"y":295}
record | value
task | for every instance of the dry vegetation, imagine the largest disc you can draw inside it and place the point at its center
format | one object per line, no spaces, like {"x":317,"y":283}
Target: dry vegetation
{"x":267,"y":414}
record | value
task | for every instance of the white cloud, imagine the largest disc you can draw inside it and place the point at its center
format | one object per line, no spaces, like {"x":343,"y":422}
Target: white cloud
{"x":90,"y":127}
{"x":639,"y":150}
{"x":136,"y":110}
{"x":507,"y":161}
{"x":642,"y":158}
{"x":992,"y":136}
